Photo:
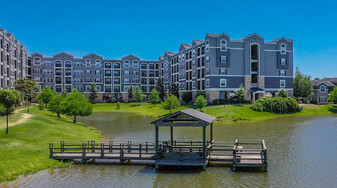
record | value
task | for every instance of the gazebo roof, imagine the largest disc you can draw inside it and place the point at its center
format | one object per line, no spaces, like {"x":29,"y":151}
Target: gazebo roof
{"x":193,"y":115}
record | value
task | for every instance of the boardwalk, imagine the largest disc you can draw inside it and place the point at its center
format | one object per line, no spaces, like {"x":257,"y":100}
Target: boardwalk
{"x":237,"y":154}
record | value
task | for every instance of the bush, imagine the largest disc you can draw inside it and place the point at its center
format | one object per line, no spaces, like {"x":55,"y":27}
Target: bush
{"x":187,"y":97}
{"x":118,"y":105}
{"x":283,"y":93}
{"x":277,"y":105}
{"x":42,"y":105}
{"x":3,"y":110}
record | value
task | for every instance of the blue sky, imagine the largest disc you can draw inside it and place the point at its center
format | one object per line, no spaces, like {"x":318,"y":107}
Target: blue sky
{"x":147,"y":28}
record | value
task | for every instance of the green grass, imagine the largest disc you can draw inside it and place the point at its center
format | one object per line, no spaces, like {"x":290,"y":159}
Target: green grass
{"x":25,"y":149}
{"x":225,"y":114}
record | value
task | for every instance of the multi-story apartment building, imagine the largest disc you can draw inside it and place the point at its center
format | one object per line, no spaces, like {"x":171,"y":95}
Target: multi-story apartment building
{"x":13,"y":60}
{"x":218,"y":65}
{"x":112,"y":76}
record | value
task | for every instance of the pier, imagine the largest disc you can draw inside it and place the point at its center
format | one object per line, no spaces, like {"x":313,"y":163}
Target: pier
{"x":239,"y":153}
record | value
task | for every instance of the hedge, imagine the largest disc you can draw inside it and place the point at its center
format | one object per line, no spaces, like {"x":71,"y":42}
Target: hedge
{"x":276,"y":105}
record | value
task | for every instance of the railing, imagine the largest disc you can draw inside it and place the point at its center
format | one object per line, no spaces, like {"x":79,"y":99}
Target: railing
{"x":246,"y":152}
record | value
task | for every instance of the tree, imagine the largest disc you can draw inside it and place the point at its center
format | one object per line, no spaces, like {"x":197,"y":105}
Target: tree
{"x":28,"y":88}
{"x":93,"y":93}
{"x":174,"y":89}
{"x":8,"y":100}
{"x":200,"y":102}
{"x":187,"y":97}
{"x":241,"y":93}
{"x":41,"y":105}
{"x":118,"y":105}
{"x":283,"y":93}
{"x":333,"y":95}
{"x":171,"y":103}
{"x":65,"y":93}
{"x":18,"y":98}
{"x":138,"y":94}
{"x":55,"y":105}
{"x":203,"y":93}
{"x":161,"y":89}
{"x":302,"y":85}
{"x":46,"y":95}
{"x":75,"y":104}
{"x":154,"y":98}
{"x":130,"y":93}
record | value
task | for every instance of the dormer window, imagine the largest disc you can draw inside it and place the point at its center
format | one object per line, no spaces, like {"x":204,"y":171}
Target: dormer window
{"x":98,"y":63}
{"x":283,"y":48}
{"x":126,"y":64}
{"x":135,"y":64}
{"x":322,"y":89}
{"x":223,"y":45}
{"x":88,"y":63}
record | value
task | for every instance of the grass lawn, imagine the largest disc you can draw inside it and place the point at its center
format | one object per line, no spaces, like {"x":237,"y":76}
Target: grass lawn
{"x":229,"y":113}
{"x":25,"y":149}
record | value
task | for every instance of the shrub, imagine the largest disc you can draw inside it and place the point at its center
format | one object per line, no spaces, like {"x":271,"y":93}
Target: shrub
{"x":187,"y":97}
{"x":42,"y":105}
{"x":118,"y":105}
{"x":282,"y":93}
{"x":277,"y":105}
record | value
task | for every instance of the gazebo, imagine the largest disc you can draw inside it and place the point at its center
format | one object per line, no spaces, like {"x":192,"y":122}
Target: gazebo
{"x":183,"y":153}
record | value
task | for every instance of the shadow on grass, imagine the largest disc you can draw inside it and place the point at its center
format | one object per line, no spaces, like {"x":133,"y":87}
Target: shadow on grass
{"x":134,"y":105}
{"x":333,"y":109}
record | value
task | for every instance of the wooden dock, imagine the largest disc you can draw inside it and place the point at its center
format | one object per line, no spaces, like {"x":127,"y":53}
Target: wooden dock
{"x":177,"y":153}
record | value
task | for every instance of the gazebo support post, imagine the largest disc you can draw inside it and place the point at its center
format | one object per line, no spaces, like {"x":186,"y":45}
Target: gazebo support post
{"x":204,"y":141}
{"x":171,"y":135}
{"x":211,"y":133}
{"x":156,"y":140}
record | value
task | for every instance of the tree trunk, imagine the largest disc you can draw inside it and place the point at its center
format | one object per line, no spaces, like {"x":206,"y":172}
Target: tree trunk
{"x":58,"y":114}
{"x":28,"y":107}
{"x":7,"y":132}
{"x":75,"y":119}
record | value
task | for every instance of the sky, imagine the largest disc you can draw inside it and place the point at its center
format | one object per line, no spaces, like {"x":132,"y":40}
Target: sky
{"x":148,"y":28}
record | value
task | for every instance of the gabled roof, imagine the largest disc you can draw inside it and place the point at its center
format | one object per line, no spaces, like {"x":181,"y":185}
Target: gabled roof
{"x":319,"y":82}
{"x":130,"y":55}
{"x":332,"y":80}
{"x":194,"y":114}
{"x":216,"y":35}
{"x":253,"y":34}
{"x":93,"y":54}
{"x":197,"y":41}
{"x":168,"y":53}
{"x":37,"y":53}
{"x":65,"y":53}
{"x":282,"y":38}
{"x":184,"y":46}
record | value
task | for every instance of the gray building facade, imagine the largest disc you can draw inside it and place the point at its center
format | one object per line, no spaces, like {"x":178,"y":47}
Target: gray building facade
{"x":217,"y":65}
{"x":13,"y":60}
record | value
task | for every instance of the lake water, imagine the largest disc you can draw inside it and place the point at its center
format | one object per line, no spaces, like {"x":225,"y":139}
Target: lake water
{"x":302,"y":152}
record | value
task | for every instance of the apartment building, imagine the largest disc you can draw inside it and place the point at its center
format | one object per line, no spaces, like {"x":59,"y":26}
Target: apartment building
{"x":219,"y":64}
{"x":113,"y":77}
{"x":13,"y":60}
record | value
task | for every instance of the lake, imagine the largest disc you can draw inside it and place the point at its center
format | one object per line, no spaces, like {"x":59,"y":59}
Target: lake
{"x":302,"y":152}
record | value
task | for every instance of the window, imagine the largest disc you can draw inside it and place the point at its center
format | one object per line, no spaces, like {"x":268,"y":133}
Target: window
{"x":223,"y":82}
{"x":207,"y":83}
{"x":37,"y":61}
{"x":88,"y":80}
{"x":322,"y":99}
{"x":223,"y":59}
{"x":87,"y":71}
{"x":283,"y":48}
{"x":126,"y":64}
{"x":222,"y":71}
{"x":87,"y":87}
{"x":126,"y":88}
{"x":207,"y":45}
{"x":193,"y":84}
{"x":117,"y":65}
{"x":223,"y":45}
{"x":98,"y":63}
{"x":135,"y":64}
{"x":126,"y":73}
{"x":126,"y":81}
{"x":282,"y":83}
{"x":282,"y":73}
{"x":98,"y":80}
{"x":283,"y":61}
{"x":67,"y":64}
{"x":58,"y":64}
{"x":143,"y":66}
{"x":98,"y":88}
{"x":88,"y":63}
{"x":322,"y":89}
{"x":107,"y":65}
{"x":254,"y":51}
{"x":98,"y":72}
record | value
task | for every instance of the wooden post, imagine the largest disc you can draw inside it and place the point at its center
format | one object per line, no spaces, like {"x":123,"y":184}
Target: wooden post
{"x":171,"y":136}
{"x":62,"y":146}
{"x":211,"y":133}
{"x":140,"y":150}
{"x":156,"y":140}
{"x":102,"y":150}
{"x":204,"y":141}
{"x":110,"y":146}
{"x":121,"y":153}
{"x":51,"y":148}
{"x":83,"y":150}
{"x":93,"y":146}
{"x":146,"y":148}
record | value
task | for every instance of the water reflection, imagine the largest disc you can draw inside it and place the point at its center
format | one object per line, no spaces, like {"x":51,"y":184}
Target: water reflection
{"x":302,"y":152}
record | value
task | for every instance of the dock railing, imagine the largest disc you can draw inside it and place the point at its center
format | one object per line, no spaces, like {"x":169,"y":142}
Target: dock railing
{"x":250,"y":153}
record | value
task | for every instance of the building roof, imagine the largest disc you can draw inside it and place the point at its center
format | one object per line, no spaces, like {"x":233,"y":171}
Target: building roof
{"x":332,"y":80}
{"x":194,"y":114}
{"x":281,"y":38}
{"x":319,"y":82}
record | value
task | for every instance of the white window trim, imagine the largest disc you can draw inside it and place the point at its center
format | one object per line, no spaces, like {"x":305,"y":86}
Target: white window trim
{"x":135,"y":63}
{"x":225,"y":83}
{"x":285,"y":48}
{"x":222,"y":58}
{"x":321,"y":90}
{"x":207,"y":82}
{"x":126,"y":62}
{"x":284,"y":83}
{"x":221,"y":45}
